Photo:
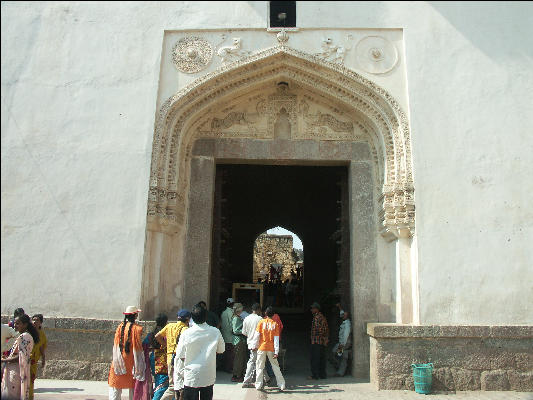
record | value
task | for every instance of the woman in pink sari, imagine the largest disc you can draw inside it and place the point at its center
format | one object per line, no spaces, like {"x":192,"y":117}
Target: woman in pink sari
{"x":16,"y":378}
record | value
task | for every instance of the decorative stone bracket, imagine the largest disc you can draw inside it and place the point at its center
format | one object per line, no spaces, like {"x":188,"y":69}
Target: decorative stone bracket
{"x":397,"y":216}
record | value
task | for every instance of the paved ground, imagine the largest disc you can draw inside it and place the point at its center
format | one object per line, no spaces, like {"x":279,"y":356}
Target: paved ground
{"x":297,"y":389}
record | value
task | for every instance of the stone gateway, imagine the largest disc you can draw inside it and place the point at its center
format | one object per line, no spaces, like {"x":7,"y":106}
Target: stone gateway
{"x":140,"y":166}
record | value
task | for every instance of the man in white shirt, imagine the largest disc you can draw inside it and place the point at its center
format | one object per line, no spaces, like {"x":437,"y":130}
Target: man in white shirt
{"x":248,"y":329}
{"x":342,"y":349}
{"x":197,"y":348}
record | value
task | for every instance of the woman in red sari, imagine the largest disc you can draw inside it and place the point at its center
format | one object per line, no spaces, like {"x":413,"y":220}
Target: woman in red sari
{"x":128,"y":356}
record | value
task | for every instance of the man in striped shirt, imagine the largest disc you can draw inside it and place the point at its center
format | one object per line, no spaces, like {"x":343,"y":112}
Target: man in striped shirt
{"x":319,"y":341}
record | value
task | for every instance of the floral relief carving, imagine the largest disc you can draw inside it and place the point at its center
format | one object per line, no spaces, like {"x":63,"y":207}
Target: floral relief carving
{"x":382,"y":122}
{"x":192,"y":54}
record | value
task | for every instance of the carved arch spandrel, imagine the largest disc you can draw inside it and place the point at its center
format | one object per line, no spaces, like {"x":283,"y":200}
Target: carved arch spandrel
{"x":175,"y":133}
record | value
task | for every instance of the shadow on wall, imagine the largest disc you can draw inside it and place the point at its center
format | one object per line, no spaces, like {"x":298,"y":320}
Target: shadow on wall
{"x":502,"y":31}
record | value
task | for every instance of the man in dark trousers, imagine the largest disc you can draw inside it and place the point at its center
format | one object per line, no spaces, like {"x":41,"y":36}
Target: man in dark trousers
{"x":197,"y":348}
{"x":319,"y":342}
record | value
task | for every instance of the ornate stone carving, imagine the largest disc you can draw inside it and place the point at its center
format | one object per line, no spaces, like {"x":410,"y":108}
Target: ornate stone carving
{"x":228,"y":121}
{"x":253,"y":116}
{"x":333,"y":52}
{"x":283,"y":99}
{"x":398,"y":213}
{"x":242,"y":118}
{"x":381,"y":116}
{"x":192,"y":54}
{"x":315,"y":123}
{"x":233,"y":52}
{"x":376,"y":55}
{"x":282,"y":37}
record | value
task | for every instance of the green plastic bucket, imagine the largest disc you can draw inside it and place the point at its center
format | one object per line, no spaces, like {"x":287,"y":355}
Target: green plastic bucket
{"x":422,"y":375}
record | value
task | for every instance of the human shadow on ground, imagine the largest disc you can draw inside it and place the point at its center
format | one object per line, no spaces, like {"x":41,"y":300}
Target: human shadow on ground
{"x":57,"y":390}
{"x":306,"y":389}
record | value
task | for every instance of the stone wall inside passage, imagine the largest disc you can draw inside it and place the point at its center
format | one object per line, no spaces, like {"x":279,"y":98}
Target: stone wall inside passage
{"x":274,"y":249}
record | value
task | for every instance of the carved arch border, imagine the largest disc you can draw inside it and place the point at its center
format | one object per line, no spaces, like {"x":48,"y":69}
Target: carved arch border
{"x":173,"y":138}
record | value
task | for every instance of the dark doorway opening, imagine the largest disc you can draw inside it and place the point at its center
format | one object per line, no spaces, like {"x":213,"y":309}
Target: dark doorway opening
{"x":312,"y":202}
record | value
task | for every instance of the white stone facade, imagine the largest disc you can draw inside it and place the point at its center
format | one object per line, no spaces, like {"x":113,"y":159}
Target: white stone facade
{"x":83,"y":85}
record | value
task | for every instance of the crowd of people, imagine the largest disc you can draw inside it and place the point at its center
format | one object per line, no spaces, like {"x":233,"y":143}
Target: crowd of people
{"x":23,"y":345}
{"x":281,"y":292}
{"x":178,"y":360}
{"x":181,"y":358}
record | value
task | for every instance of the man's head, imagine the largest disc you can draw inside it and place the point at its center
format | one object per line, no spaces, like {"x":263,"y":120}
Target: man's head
{"x":161,"y":320}
{"x":184,"y":315}
{"x":202,"y":304}
{"x":256,"y":308}
{"x":315,"y":307}
{"x":269,"y":312}
{"x":237,"y":308}
{"x":199,"y":314}
{"x":346,"y":315}
{"x":230,"y":302}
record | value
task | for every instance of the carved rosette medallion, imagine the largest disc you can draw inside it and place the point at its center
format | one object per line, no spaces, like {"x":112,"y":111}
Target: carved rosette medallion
{"x":376,"y":55}
{"x":192,"y":54}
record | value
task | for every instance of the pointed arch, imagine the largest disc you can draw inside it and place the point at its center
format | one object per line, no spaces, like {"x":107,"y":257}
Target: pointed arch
{"x":381,"y":114}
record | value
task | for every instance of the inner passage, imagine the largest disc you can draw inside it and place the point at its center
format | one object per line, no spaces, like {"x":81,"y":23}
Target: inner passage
{"x":278,"y":266}
{"x":311,"y":202}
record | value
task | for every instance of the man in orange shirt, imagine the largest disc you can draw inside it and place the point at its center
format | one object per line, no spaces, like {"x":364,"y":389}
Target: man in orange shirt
{"x":266,"y":341}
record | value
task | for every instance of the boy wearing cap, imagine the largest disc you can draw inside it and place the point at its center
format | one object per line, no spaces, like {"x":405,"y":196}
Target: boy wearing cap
{"x":226,"y":328}
{"x":343,"y":347}
{"x":239,"y":344}
{"x":171,"y":334}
